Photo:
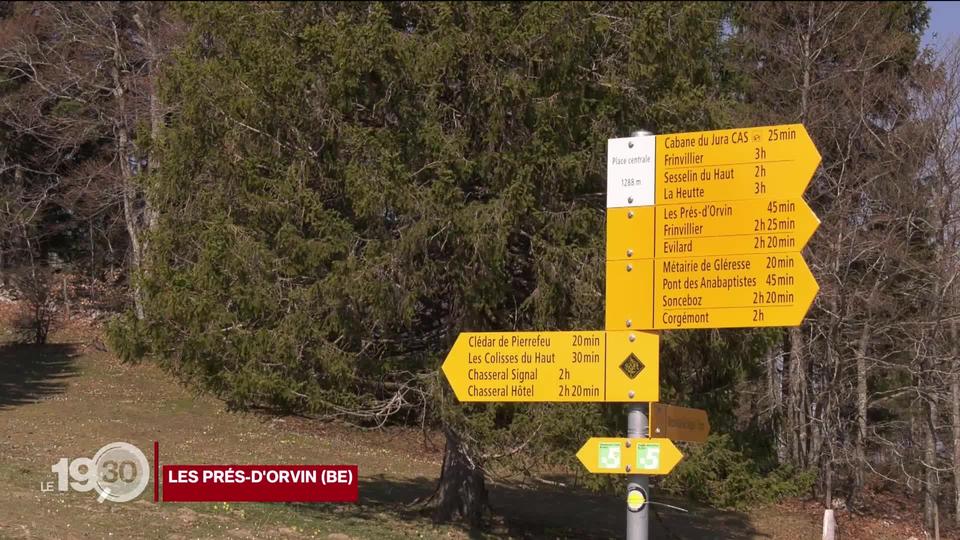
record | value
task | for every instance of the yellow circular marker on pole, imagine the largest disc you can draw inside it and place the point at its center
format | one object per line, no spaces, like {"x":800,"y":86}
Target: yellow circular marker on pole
{"x":636,"y":500}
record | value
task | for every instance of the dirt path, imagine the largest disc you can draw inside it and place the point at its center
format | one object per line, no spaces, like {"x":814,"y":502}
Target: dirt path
{"x":67,"y":400}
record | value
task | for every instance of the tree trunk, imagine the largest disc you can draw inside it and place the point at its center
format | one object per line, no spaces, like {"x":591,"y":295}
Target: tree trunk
{"x":806,"y":62}
{"x":827,"y":482}
{"x":794,"y":399}
{"x":931,"y":487}
{"x":156,"y":118}
{"x":860,"y":440}
{"x":824,"y":432}
{"x":955,"y":419}
{"x":775,"y":364}
{"x":813,"y":406}
{"x":66,"y":298}
{"x":824,"y":429}
{"x":130,"y":211}
{"x":139,"y":216}
{"x":787,"y":428}
{"x":462,"y":492}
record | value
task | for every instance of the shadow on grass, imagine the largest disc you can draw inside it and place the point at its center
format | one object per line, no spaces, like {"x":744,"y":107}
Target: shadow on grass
{"x":546,"y":513}
{"x":29,"y":373}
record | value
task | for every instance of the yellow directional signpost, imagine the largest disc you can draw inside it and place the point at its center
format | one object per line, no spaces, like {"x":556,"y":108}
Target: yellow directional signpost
{"x":679,"y":423}
{"x":732,"y":164}
{"x":605,"y":455}
{"x":554,"y":366}
{"x":732,"y":291}
{"x":711,"y":228}
{"x":704,"y":230}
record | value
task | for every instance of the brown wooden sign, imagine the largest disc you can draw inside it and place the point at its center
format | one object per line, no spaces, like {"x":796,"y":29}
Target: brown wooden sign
{"x":678,"y":423}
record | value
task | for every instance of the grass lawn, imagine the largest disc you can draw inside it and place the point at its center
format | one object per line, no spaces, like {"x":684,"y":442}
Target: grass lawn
{"x":68,"y":399}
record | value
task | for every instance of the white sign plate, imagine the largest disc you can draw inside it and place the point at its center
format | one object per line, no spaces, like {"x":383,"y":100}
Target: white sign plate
{"x":630,"y":171}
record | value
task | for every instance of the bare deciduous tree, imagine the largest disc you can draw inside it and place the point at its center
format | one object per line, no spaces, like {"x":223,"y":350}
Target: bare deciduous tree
{"x":82,"y":115}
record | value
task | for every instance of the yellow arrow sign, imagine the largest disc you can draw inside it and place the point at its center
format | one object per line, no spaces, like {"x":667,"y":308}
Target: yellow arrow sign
{"x":729,"y":164}
{"x":711,"y":228}
{"x":603,"y":455}
{"x":555,"y":366}
{"x":679,"y":423}
{"x":732,"y":291}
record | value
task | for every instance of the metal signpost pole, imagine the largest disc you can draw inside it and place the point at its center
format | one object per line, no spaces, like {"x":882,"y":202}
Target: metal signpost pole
{"x":638,"y":523}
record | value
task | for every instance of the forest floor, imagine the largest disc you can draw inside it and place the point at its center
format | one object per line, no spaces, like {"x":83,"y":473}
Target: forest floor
{"x":69,"y":398}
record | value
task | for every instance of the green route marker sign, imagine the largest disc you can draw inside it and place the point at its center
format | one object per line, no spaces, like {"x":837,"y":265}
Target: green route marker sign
{"x":607,"y":455}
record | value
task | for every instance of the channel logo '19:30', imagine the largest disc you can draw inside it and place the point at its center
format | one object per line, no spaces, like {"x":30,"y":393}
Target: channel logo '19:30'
{"x":118,"y":472}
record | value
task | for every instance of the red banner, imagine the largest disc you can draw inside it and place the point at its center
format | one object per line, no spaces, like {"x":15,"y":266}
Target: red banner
{"x":260,"y":483}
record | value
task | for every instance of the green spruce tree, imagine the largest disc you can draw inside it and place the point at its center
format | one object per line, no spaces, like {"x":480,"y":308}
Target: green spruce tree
{"x":346,"y":187}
